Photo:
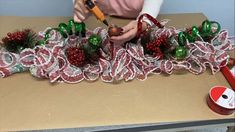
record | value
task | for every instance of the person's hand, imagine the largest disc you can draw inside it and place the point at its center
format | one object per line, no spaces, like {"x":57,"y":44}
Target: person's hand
{"x":129,"y":32}
{"x":80,"y":11}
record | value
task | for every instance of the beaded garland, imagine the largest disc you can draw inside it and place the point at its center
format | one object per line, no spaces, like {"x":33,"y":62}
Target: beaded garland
{"x":70,"y":53}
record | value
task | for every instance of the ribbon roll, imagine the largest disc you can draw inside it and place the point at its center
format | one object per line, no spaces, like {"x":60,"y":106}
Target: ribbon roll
{"x":221,"y":100}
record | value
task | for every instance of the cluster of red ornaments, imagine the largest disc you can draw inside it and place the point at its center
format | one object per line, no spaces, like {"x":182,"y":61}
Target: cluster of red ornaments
{"x":19,"y":40}
{"x":76,"y":56}
{"x":16,"y":36}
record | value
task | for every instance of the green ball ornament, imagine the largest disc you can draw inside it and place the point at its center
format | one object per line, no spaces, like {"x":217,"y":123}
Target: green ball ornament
{"x":95,"y":41}
{"x":180,"y":52}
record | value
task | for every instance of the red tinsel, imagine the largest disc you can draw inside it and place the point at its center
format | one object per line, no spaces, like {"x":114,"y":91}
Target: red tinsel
{"x":155,"y":46}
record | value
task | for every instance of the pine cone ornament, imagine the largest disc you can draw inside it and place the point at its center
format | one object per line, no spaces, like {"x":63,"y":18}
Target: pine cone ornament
{"x":76,"y":56}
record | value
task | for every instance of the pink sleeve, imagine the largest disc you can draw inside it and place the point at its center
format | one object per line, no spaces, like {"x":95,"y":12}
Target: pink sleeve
{"x":122,"y":8}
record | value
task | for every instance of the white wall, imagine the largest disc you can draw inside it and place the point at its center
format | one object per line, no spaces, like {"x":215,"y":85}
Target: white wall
{"x":219,"y":10}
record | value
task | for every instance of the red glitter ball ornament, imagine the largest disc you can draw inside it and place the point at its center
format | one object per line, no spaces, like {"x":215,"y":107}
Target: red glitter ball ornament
{"x":76,"y":56}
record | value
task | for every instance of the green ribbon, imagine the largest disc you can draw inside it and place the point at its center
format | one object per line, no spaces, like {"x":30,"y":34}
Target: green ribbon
{"x":206,"y":30}
{"x":182,"y":39}
{"x":65,"y":30}
{"x":79,"y":29}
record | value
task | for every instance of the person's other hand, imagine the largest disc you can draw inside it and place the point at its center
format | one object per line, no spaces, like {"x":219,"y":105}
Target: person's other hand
{"x":80,"y":11}
{"x":129,"y":32}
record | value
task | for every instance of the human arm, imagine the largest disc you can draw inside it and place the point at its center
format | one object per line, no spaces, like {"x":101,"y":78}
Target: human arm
{"x":151,"y":7}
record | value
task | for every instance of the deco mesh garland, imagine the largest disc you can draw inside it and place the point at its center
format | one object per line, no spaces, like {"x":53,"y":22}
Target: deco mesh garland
{"x":71,"y":53}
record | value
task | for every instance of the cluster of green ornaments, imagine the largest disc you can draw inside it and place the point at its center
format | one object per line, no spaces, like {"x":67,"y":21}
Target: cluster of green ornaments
{"x":78,"y":29}
{"x":205,"y":32}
